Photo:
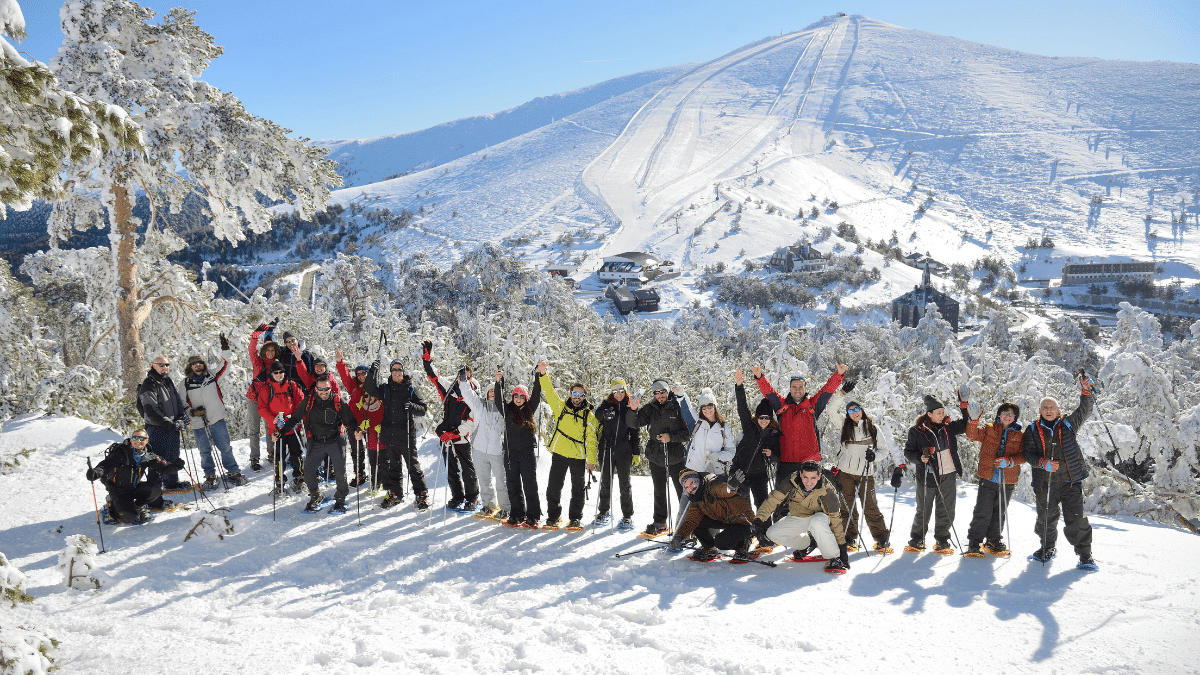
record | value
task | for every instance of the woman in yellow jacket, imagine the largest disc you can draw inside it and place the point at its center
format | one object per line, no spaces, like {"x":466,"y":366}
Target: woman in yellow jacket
{"x":573,"y":446}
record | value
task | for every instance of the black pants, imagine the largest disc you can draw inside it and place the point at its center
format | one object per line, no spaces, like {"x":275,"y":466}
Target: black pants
{"x":460,"y":472}
{"x":392,"y":461}
{"x":125,"y":501}
{"x":164,"y":442}
{"x":1067,"y":499}
{"x":364,"y":456}
{"x":319,"y":452}
{"x":559,"y":466}
{"x":934,"y":495}
{"x":290,"y":457}
{"x":522,"y":486}
{"x":714,"y":533}
{"x":985,"y":520}
{"x":756,"y":487}
{"x":620,"y":467}
{"x":659,"y":476}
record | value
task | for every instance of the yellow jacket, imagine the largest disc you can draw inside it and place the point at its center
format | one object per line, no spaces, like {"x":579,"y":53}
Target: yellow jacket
{"x":574,"y":434}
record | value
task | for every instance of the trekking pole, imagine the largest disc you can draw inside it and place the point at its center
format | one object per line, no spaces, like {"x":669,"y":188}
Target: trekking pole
{"x":358,"y":446}
{"x":96,"y":503}
{"x":277,"y":490}
{"x":1045,"y":518}
{"x":862,"y":505}
{"x":195,"y":486}
{"x":767,"y":563}
{"x":214,"y":455}
{"x":1000,"y":504}
{"x":214,"y":506}
{"x":446,"y":450}
{"x":640,"y":550}
{"x":667,"y":471}
{"x":938,"y":497}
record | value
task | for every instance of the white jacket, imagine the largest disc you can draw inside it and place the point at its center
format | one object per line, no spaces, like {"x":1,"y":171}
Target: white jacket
{"x":851,"y":457}
{"x":205,"y":394}
{"x":488,"y":434}
{"x":711,"y":449}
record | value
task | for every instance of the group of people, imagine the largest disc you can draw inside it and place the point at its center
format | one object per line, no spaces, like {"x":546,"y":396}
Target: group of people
{"x":768,"y":486}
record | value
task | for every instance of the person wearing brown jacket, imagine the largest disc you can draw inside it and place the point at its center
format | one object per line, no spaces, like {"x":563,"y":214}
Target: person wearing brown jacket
{"x":1001,"y":454}
{"x":813,"y":519}
{"x":717,"y":514}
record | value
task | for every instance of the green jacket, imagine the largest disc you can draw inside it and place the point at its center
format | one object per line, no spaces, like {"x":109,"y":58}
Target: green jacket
{"x":575,"y":430}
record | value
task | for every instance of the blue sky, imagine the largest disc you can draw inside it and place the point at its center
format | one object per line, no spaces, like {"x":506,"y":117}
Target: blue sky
{"x":362,"y":68}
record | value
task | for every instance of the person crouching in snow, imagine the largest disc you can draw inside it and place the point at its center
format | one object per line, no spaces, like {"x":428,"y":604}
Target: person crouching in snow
{"x":487,"y":444}
{"x":1001,"y":454}
{"x":324,"y":416}
{"x":712,"y":446}
{"x":123,"y":471}
{"x":718,"y":516}
{"x":813,"y":520}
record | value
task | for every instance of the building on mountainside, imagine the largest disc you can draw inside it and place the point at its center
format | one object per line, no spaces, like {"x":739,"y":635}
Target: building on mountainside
{"x":918,"y":260}
{"x":565,"y":272}
{"x":633,"y":267}
{"x":1095,"y":273}
{"x":635,"y":300}
{"x":909,"y":308}
{"x":802,"y":258}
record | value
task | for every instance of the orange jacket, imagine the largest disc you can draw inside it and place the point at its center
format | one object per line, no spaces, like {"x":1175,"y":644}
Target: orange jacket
{"x":988,"y":438}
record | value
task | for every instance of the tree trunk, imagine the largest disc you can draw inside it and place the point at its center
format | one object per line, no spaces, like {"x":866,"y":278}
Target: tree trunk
{"x":129,"y":331}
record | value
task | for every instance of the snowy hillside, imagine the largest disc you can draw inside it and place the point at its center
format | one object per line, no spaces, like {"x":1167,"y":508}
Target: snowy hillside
{"x":955,"y":148}
{"x":405,"y":593}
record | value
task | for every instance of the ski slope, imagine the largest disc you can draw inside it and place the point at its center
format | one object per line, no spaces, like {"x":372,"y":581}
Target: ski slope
{"x":405,"y":593}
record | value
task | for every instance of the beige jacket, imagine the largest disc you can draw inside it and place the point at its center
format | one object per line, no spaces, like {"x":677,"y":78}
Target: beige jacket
{"x":822,"y":499}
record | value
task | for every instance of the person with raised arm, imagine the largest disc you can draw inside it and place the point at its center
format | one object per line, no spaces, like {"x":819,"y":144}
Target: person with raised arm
{"x":455,"y":443}
{"x":487,"y":445}
{"x":398,"y":432}
{"x":572,"y":447}
{"x":758,"y":451}
{"x":261,"y":357}
{"x":520,"y":438}
{"x":932,"y":447}
{"x":798,"y":413}
{"x":619,"y":451}
{"x":854,"y":469}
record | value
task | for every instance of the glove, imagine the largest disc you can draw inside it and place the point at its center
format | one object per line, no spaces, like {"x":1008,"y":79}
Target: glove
{"x":964,"y":392}
{"x":274,"y":322}
{"x":760,"y":529}
{"x":675,"y":545}
{"x":427,"y":349}
{"x":849,"y":386}
{"x":1049,"y":465}
{"x":224,"y":342}
{"x":199,"y":412}
{"x":1004,"y":463}
{"x":449,"y":437}
{"x":897,"y":475}
{"x":845,"y":555}
{"x":180,"y":425}
{"x":462,"y":375}
{"x":637,"y":460}
{"x":263,"y":326}
{"x":973,"y":410}
{"x":1085,"y":381}
{"x":177,"y":463}
{"x":833,"y":471}
{"x":92,"y":475}
{"x":736,"y":479}
{"x":870,"y":455}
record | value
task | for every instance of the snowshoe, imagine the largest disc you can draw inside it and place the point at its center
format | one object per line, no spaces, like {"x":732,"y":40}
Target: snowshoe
{"x":851,"y":547}
{"x":603,"y":519}
{"x":915,"y":546}
{"x":625,"y":524}
{"x":315,"y":504}
{"x":422,"y":503}
{"x":1087,"y":562}
{"x":298,"y":485}
{"x":997,"y":549}
{"x":654,"y":530}
{"x":454,"y":504}
{"x":162,"y":507}
{"x":338,"y":508}
{"x":512,"y":521}
{"x":836,"y":566}
{"x":391,"y":500}
{"x":943,"y":548}
{"x":574,"y":526}
{"x":237,"y":479}
{"x":255,"y":465}
{"x":1042,"y":557}
{"x":469,"y":506}
{"x":552,"y":524}
{"x":531,"y":524}
{"x":210,"y":483}
{"x":884,"y":548}
{"x":804,"y":558}
{"x":488,"y":512}
{"x":182,"y":487}
{"x":741,"y":557}
{"x":706,"y":555}
{"x":973,"y":551}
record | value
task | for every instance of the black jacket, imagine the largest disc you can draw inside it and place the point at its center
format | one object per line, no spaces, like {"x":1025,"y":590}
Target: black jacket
{"x":937,"y":438}
{"x":749,"y":457}
{"x":323,"y":419}
{"x":517,"y":438}
{"x":618,"y":429}
{"x":401,"y":403}
{"x":454,"y":410}
{"x":664,"y":418}
{"x":159,"y":400}
{"x":288,"y":360}
{"x":1064,"y":429}
{"x":123,"y":467}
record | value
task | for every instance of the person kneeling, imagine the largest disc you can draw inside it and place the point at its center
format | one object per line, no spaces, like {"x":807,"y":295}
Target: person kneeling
{"x":813,"y":519}
{"x":717,"y":514}
{"x":123,"y":473}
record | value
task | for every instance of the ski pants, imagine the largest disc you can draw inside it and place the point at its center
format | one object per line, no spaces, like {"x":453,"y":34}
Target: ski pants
{"x":254,"y":428}
{"x":392,"y":460}
{"x":125,"y":501}
{"x":364,"y":456}
{"x":619,"y":466}
{"x":1067,"y":499}
{"x":164,"y":442}
{"x":797,"y":532}
{"x":522,"y":485}
{"x":290,"y":455}
{"x":856,"y":490}
{"x":934,"y":494}
{"x":460,"y":472}
{"x":318,"y":452}
{"x":725,"y":536}
{"x":559,"y":466}
{"x":219,"y":432}
{"x":985,"y":520}
{"x":660,"y":475}
{"x":490,"y":468}
{"x":756,"y":487}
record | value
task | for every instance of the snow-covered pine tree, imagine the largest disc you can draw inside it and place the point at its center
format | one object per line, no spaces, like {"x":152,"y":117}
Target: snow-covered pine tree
{"x":198,"y":140}
{"x":77,"y":562}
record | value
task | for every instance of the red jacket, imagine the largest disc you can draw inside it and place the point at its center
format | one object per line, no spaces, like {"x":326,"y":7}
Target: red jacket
{"x":352,"y":387}
{"x":258,"y":365}
{"x":278,"y":397}
{"x":309,"y":379}
{"x":798,"y":420}
{"x":370,"y":422}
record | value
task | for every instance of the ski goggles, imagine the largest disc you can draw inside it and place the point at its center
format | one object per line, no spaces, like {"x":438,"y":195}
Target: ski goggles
{"x":397,"y":370}
{"x":324,"y":388}
{"x":656,"y":392}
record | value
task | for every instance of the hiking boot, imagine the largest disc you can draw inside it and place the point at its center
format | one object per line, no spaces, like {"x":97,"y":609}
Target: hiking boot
{"x":210,"y":483}
{"x":339,"y":506}
{"x":707,"y":554}
{"x":455,"y":504}
{"x":512,"y":521}
{"x":237,"y":479}
{"x":314,"y":504}
{"x":1087,"y":562}
{"x":530,"y":523}
{"x":884,"y":548}
{"x":358,"y":480}
{"x":625,"y":524}
{"x":469,"y":506}
{"x":851,"y":546}
{"x":743,"y":556}
{"x":488,"y":512}
{"x":836,"y":566}
{"x":943,"y":548}
{"x":574,"y":525}
{"x":391,"y":500}
{"x":255,"y":465}
{"x":998,"y":548}
{"x":603,"y":519}
{"x":654,"y":529}
{"x":422,"y":503}
{"x":915,"y":546}
{"x":164,"y":505}
{"x":298,"y":485}
{"x":1042,"y":556}
{"x":552,"y":524}
{"x":501,"y":514}
{"x":973,"y":550}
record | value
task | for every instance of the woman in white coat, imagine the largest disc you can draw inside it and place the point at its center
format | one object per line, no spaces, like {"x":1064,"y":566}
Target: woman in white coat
{"x":487,"y":447}
{"x":713,"y":445}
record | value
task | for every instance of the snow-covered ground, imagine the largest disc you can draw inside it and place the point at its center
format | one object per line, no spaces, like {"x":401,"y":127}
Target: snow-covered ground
{"x":404,"y":592}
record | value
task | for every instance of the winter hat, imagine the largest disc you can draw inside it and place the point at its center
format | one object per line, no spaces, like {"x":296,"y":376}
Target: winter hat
{"x":618,"y":383}
{"x":277,"y":367}
{"x":285,"y":336}
{"x":262,"y":351}
{"x":521,"y":391}
{"x":764,"y":408}
{"x":688,"y":472}
{"x":361,"y":368}
{"x":321,"y":361}
{"x":659,"y":384}
{"x":707,"y":398}
{"x":854,"y":404}
{"x":195,"y":358}
{"x":932,"y":404}
{"x":396,"y":362}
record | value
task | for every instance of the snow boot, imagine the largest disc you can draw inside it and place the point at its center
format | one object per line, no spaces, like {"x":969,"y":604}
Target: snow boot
{"x":1087,"y":562}
{"x":237,"y":479}
{"x":210,"y":483}
{"x":943,"y":548}
{"x":487,"y":512}
{"x":707,"y":554}
{"x":422,"y":503}
{"x":1042,"y":556}
{"x":625,"y":524}
{"x":973,"y":550}
{"x":455,"y":504}
{"x":552,"y":524}
{"x":851,"y":546}
{"x":743,"y":556}
{"x":915,"y":546}
{"x":255,"y":465}
{"x":391,"y":500}
{"x":531,"y":523}
{"x":884,"y":548}
{"x":654,"y":529}
{"x":603,"y":519}
{"x":574,"y":526}
{"x":164,"y":505}
{"x":314,"y":504}
{"x":997,"y":549}
{"x":469,"y":506}
{"x":512,"y":521}
{"x":338,"y":508}
{"x":836,"y":566}
{"x":298,"y":484}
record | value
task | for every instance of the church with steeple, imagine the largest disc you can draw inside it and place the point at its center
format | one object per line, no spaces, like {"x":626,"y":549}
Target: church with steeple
{"x":910,"y":307}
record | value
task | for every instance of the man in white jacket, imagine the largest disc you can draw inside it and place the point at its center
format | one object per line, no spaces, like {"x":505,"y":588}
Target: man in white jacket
{"x":201,"y":391}
{"x":487,"y":448}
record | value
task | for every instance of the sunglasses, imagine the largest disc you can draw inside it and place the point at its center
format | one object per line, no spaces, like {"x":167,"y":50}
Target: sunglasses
{"x":659,"y":391}
{"x":765,"y":417}
{"x":852,"y":410}
{"x":140,"y":438}
{"x":324,"y":388}
{"x":577,"y":394}
{"x":397,"y":370}
{"x":289,"y":341}
{"x":518,"y":396}
{"x":618,"y":391}
{"x":1007,"y":414}
{"x":163,"y":365}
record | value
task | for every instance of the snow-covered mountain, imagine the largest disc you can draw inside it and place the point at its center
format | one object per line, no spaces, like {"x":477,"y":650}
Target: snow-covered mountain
{"x":997,"y":146}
